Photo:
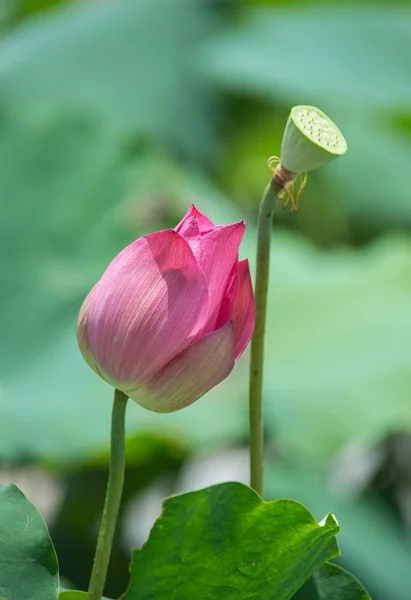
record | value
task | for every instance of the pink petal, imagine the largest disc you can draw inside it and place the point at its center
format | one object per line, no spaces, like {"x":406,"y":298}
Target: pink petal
{"x":82,"y":333}
{"x":204,"y":222}
{"x":190,"y":375}
{"x":219,"y":251}
{"x":243,"y":310}
{"x":148,"y":306}
{"x":227,"y":303}
{"x":189,"y":228}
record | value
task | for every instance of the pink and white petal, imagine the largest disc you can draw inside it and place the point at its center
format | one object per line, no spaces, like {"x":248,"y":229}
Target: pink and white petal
{"x":147,"y":308}
{"x":82,"y":333}
{"x":243,"y":310}
{"x":227,"y":303}
{"x":198,"y":369}
{"x":189,"y":229}
{"x":204,"y":222}
{"x":219,"y":252}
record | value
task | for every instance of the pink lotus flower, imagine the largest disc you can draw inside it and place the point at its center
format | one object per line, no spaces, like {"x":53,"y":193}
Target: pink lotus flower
{"x":171,"y":314}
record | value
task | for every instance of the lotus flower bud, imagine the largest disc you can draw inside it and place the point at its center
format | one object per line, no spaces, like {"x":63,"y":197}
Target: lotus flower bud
{"x":171,"y":314}
{"x":310,"y":140}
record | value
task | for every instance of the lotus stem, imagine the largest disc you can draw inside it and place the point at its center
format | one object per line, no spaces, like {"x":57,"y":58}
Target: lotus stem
{"x":113,"y":498}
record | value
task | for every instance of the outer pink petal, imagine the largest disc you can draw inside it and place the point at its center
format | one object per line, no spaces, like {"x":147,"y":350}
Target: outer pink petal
{"x":219,"y":251}
{"x":244,"y":309}
{"x":190,"y":375}
{"x":227,"y":303}
{"x":82,"y":333}
{"x":204,"y":222}
{"x":147,"y":308}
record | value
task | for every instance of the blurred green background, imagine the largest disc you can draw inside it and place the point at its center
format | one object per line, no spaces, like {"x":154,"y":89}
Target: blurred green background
{"x":115,"y":116}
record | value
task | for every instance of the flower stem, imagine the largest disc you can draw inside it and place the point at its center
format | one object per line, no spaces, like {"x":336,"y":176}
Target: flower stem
{"x":265,"y":217}
{"x":113,"y":497}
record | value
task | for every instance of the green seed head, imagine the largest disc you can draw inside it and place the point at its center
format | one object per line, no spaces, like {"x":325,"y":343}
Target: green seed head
{"x":310,"y":140}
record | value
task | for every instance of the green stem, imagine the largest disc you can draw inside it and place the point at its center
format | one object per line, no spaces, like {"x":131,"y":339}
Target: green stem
{"x":113,"y":497}
{"x":265,"y":218}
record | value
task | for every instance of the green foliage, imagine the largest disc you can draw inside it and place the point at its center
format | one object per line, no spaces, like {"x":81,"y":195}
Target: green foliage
{"x":250,"y":53}
{"x":67,"y":164}
{"x":107,"y":76}
{"x":28,"y":562}
{"x":336,"y":321}
{"x":370,"y":537}
{"x":74,"y":595}
{"x":331,"y":581}
{"x":20,"y":9}
{"x":224,"y":541}
{"x":226,"y":530}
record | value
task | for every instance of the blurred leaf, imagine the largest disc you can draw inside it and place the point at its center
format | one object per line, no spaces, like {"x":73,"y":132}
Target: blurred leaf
{"x":58,"y":180}
{"x":27,"y":7}
{"x":365,"y":178}
{"x":316,"y":52}
{"x":129,"y":64}
{"x":223,"y":541}
{"x":28,"y":562}
{"x":16,"y":10}
{"x":338,"y":355}
{"x":72,"y":595}
{"x":6,"y":12}
{"x":373,"y":544}
{"x":332,"y":581}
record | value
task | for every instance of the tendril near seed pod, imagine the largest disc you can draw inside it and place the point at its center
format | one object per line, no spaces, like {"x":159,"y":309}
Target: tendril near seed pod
{"x":310,"y":140}
{"x":286,"y":180}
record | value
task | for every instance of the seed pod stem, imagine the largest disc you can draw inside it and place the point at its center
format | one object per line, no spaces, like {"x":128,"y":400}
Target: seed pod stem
{"x":265,"y":218}
{"x":310,"y":140}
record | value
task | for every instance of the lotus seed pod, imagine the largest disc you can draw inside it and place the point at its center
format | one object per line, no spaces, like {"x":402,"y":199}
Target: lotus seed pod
{"x":310,"y":140}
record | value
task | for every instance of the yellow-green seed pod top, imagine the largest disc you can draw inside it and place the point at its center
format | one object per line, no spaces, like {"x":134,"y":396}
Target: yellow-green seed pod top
{"x":310,"y":140}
